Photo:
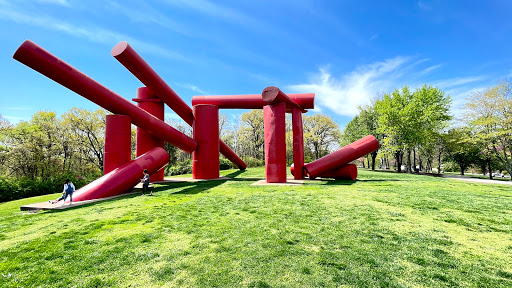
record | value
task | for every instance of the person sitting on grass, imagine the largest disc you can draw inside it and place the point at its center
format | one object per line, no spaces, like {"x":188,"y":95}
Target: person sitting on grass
{"x":145,"y":183}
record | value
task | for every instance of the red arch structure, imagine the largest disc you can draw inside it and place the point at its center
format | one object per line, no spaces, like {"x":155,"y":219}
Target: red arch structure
{"x":121,"y":173}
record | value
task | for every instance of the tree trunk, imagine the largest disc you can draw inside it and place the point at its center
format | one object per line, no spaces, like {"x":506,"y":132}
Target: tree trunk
{"x":398,"y":162}
{"x":414,"y":158}
{"x":374,"y":156}
{"x":439,"y":163}
{"x":409,"y":161}
{"x":489,"y":167}
{"x":462,"y":168}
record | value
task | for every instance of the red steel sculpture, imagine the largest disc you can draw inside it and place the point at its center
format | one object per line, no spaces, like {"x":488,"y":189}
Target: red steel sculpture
{"x":122,"y":174}
{"x":130,"y":59}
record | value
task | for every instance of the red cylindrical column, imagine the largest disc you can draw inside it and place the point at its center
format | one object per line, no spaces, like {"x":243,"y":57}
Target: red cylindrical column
{"x":341,"y":157}
{"x":205,"y":159}
{"x":347,"y":172}
{"x":59,"y":71}
{"x":298,"y":142}
{"x":130,"y":59}
{"x":274,"y":95}
{"x":117,"y":142}
{"x":124,"y":178}
{"x":275,"y":142}
{"x":147,"y":101}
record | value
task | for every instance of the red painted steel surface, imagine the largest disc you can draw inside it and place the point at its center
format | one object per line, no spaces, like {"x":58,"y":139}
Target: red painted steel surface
{"x":118,"y":140}
{"x":124,"y":178}
{"x":275,"y":142}
{"x":272,"y":95}
{"x":298,"y":142}
{"x":347,"y":172}
{"x":52,"y":67}
{"x":130,"y":59}
{"x":205,"y":159}
{"x":342,"y":157}
{"x":147,"y":101}
{"x":250,"y":101}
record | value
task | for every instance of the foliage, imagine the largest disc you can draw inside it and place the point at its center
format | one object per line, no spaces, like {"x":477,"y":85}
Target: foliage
{"x":460,"y":150}
{"x":18,"y":188}
{"x":320,"y":134}
{"x":179,"y":168}
{"x":385,"y":230}
{"x":490,"y":113}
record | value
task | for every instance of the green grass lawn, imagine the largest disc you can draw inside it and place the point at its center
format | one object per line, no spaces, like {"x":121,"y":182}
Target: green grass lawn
{"x":383,"y":230}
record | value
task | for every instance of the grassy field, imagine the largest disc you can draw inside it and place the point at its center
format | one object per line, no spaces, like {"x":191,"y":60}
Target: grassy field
{"x":383,"y":230}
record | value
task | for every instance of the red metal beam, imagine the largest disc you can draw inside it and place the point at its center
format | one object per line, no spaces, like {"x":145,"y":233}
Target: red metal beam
{"x":272,"y":95}
{"x":59,"y":71}
{"x":342,"y":157}
{"x":205,"y":159}
{"x":130,"y":59}
{"x":251,"y":101}
{"x":275,"y":142}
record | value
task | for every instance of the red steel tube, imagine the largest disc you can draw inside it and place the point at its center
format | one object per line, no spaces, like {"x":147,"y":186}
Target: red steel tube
{"x":251,"y":101}
{"x":272,"y":95}
{"x":347,"y":172}
{"x":342,"y":157}
{"x":59,"y":71}
{"x":130,"y":59}
{"x":275,"y":142}
{"x":118,"y":139}
{"x":205,"y":159}
{"x":147,"y":101}
{"x":124,"y":178}
{"x":298,"y":142}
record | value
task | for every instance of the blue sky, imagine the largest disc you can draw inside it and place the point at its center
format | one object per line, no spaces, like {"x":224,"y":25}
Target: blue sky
{"x":346,"y":52}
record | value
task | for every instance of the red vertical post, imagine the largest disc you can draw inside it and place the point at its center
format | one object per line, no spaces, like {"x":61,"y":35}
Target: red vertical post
{"x":148,"y":101}
{"x":205,"y":159}
{"x":275,"y":142}
{"x":298,"y":143}
{"x":117,"y":142}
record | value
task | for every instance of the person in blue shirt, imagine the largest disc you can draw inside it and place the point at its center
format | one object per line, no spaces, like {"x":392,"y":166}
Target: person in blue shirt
{"x":69,"y":188}
{"x":145,"y":183}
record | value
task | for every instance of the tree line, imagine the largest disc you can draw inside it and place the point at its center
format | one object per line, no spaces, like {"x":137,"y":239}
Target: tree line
{"x":417,"y":125}
{"x":48,"y":148}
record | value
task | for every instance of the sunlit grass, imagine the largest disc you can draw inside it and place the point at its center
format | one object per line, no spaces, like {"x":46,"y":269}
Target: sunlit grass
{"x":384,"y":230}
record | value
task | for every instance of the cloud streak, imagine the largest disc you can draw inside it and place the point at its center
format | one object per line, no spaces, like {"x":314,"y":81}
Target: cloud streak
{"x":343,"y":94}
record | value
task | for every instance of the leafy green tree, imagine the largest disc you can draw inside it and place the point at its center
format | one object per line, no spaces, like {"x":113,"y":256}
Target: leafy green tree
{"x":490,"y":112}
{"x":320,"y":134}
{"x":251,"y":135}
{"x":460,"y":150}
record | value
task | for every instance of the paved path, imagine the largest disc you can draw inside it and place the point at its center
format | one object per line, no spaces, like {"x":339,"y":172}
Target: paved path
{"x":476,"y":180}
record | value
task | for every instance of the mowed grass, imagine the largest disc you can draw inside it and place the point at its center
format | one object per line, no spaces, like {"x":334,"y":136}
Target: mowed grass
{"x":383,"y":230}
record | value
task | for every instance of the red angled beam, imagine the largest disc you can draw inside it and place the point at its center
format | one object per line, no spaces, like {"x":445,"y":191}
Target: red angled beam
{"x":124,"y":178}
{"x":59,"y":71}
{"x":342,"y":157}
{"x":130,"y":59}
{"x":272,"y":95}
{"x":251,"y":101}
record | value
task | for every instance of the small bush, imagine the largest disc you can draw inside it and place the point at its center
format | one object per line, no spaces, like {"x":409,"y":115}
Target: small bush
{"x":183,"y":167}
{"x":225,"y":164}
{"x":18,"y":188}
{"x":253,"y":162}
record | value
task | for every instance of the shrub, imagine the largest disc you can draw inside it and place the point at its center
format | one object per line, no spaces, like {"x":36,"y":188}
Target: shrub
{"x":225,"y":164}
{"x":18,"y":188}
{"x":183,"y":167}
{"x":253,"y":162}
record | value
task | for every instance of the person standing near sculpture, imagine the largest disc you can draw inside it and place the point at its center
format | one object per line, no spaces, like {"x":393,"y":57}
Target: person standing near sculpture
{"x":69,"y":188}
{"x":145,"y":183}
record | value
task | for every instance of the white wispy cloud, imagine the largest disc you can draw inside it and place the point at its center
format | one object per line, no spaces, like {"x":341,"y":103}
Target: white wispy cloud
{"x":458,"y":81}
{"x":93,"y":34}
{"x":344,"y":94}
{"x":424,"y":6}
{"x":431,"y":68}
{"x":56,"y":2}
{"x":191,"y":87}
{"x":215,"y":10}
